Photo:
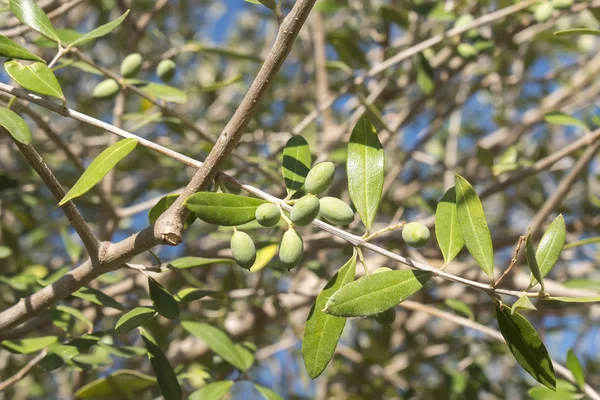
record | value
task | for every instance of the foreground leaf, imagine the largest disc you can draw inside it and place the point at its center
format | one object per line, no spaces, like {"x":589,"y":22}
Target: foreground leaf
{"x":101,"y":166}
{"x":365,"y":167}
{"x":375,"y":293}
{"x":550,"y":247}
{"x":525,"y":344}
{"x":576,"y":369}
{"x":134,"y":318}
{"x":190,"y":262}
{"x":212,"y":391}
{"x":164,"y":303}
{"x":100,"y":31}
{"x":322,"y":331}
{"x":15,"y":125}
{"x":447,"y":229}
{"x":30,"y":345}
{"x":473,"y":226}
{"x":223,"y":208}
{"x":216,"y":340}
{"x":166,"y":377}
{"x":10,"y":49}
{"x":32,"y":15}
{"x":296,"y":163}
{"x":123,"y":383}
{"x":36,"y":77}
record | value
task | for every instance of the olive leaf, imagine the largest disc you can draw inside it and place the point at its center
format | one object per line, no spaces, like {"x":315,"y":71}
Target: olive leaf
{"x":296,"y":163}
{"x":164,"y":303}
{"x":322,"y":331}
{"x":532,"y":261}
{"x":223,"y":208}
{"x":190,"y":262}
{"x":166,"y":377}
{"x":525,"y":344}
{"x":119,"y":383}
{"x":30,"y":345}
{"x":163,"y":205}
{"x":576,"y":369}
{"x":100,"y":31}
{"x":473,"y":226}
{"x":523,"y":303}
{"x":375,"y":293}
{"x":558,"y":118}
{"x":134,"y":318}
{"x":15,"y":125}
{"x":268,"y":394}
{"x":10,"y":49}
{"x":32,"y":15}
{"x":98,"y":297}
{"x":212,"y":391}
{"x":365,"y":167}
{"x":36,"y":77}
{"x":550,"y":247}
{"x":577,"y":31}
{"x":160,"y":91}
{"x":98,"y":169}
{"x":447,"y":228}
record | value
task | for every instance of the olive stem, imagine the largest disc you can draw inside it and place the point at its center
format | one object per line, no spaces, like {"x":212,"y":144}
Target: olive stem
{"x":285,"y":218}
{"x":361,"y":257}
{"x":513,"y":261}
{"x":387,"y":229}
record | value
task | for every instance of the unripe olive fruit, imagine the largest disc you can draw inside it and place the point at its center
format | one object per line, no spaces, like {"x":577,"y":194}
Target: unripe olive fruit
{"x":305,"y":210}
{"x":335,"y":211}
{"x":319,"y":177}
{"x":106,"y":89}
{"x":382,"y":269}
{"x":415,"y":234}
{"x":166,"y":70}
{"x":291,"y":249}
{"x":268,"y":214}
{"x":243,"y":249}
{"x":131,"y":65}
{"x":386,"y":318}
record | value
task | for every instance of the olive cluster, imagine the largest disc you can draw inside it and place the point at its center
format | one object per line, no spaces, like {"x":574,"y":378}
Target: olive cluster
{"x":130,"y":68}
{"x":304,"y":211}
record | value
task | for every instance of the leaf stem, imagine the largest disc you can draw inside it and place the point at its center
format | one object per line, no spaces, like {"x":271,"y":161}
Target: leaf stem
{"x":387,"y":229}
{"x":513,"y":261}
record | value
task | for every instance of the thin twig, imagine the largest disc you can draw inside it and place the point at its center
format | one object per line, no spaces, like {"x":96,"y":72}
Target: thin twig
{"x":513,"y":261}
{"x":23,"y":371}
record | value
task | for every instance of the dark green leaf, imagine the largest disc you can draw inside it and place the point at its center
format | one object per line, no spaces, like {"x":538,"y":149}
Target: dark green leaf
{"x":58,"y":355}
{"x":187,"y":295}
{"x":296,"y":163}
{"x":163,"y":205}
{"x":212,"y":391}
{"x":217,"y":341}
{"x":550,"y":247}
{"x":577,"y":31}
{"x":101,"y":166}
{"x":190,"y":262}
{"x":29,"y":13}
{"x":15,"y":125}
{"x":100,"y":31}
{"x":134,"y":318}
{"x":322,"y":331}
{"x":267,"y":393}
{"x":525,"y":344}
{"x":532,"y":261}
{"x":10,"y":49}
{"x":31,"y":345}
{"x":365,"y":167}
{"x":473,"y":227}
{"x":576,"y":369}
{"x":36,"y":77}
{"x":119,"y":384}
{"x":164,"y":303}
{"x":98,"y":297}
{"x":223,"y":208}
{"x":425,"y":75}
{"x":166,"y":377}
{"x":124,"y":351}
{"x":375,"y":293}
{"x":447,"y":229}
{"x":76,"y":314}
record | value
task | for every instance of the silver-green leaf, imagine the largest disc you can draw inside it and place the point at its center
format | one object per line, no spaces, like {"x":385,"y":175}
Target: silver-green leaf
{"x":447,"y":229}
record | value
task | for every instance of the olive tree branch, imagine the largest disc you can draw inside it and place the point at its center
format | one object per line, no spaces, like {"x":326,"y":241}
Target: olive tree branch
{"x":23,"y":371}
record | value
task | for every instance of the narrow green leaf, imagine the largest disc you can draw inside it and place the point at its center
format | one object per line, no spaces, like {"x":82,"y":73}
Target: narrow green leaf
{"x":29,"y":13}
{"x":583,"y":284}
{"x":163,"y":205}
{"x":73,"y":249}
{"x":365,"y":167}
{"x":523,"y":303}
{"x":460,"y":307}
{"x":98,"y":297}
{"x":247,"y":352}
{"x":577,"y":31}
{"x":101,"y":166}
{"x":271,"y":4}
{"x":375,"y":293}
{"x":58,"y":355}
{"x":296,"y":163}
{"x":100,"y":31}
{"x":543,"y":393}
{"x":264,"y":257}
{"x":223,"y":208}
{"x":160,"y":91}
{"x":122,"y":384}
{"x":576,"y":369}
{"x":10,"y":49}
{"x":525,"y":344}
{"x":532,"y":261}
{"x":66,"y":36}
{"x":582,"y":242}
{"x":187,"y":295}
{"x":268,"y":394}
{"x":15,"y":125}
{"x":163,"y":302}
{"x":558,"y":118}
{"x":322,"y":331}
{"x":212,"y":391}
{"x":76,"y":314}
{"x":550,"y":247}
{"x":217,"y":341}
{"x":166,"y":377}
{"x":190,"y":262}
{"x":36,"y":77}
{"x":31,"y":345}
{"x":593,"y":299}
{"x":425,"y":75}
{"x":134,"y":318}
{"x":473,"y":226}
{"x":123,"y":351}
{"x":447,"y":229}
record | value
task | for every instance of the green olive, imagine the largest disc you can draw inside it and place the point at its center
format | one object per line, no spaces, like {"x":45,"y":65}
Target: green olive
{"x":335,"y":211}
{"x":268,"y":214}
{"x":166,"y":70}
{"x":106,"y":89}
{"x":305,"y":210}
{"x":131,"y":65}
{"x":319,"y":177}
{"x":415,"y":234}
{"x":291,"y":249}
{"x":243,"y":249}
